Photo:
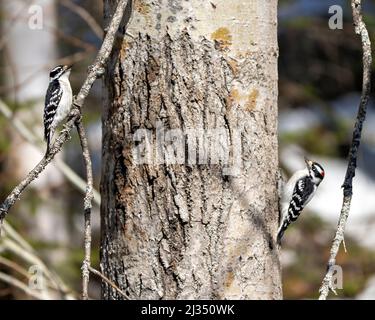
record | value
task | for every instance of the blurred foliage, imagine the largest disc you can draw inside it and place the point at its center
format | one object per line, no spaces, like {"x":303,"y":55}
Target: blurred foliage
{"x":334,"y":142}
{"x":283,"y":3}
{"x":311,"y":240}
{"x":4,"y":140}
{"x":73,"y":262}
{"x":318,"y":67}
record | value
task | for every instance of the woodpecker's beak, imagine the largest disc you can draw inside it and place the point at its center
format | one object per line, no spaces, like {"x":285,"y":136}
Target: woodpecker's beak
{"x":67,"y":68}
{"x":308,"y":162}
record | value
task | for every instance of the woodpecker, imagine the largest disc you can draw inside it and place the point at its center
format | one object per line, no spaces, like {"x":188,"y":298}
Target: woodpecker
{"x":297,"y":193}
{"x":58,"y":101}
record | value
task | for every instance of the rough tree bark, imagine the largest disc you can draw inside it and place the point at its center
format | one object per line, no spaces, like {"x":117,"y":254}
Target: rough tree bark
{"x":190,"y":230}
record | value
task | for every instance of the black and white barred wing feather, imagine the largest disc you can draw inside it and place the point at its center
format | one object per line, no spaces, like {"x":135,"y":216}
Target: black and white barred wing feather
{"x":52,"y":100}
{"x":302,"y":194}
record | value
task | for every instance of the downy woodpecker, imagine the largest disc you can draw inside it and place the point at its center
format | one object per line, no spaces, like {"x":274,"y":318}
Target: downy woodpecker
{"x":297,"y":193}
{"x":58,"y":101}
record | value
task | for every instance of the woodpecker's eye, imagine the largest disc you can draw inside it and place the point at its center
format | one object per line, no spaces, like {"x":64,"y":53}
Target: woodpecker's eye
{"x":318,"y":171}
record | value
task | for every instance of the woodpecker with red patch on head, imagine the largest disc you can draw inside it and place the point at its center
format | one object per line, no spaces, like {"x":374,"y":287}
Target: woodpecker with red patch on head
{"x":298,"y":192}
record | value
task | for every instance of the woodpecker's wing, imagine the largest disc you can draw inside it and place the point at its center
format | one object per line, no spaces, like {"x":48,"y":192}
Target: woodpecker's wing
{"x":302,"y":194}
{"x":52,"y":100}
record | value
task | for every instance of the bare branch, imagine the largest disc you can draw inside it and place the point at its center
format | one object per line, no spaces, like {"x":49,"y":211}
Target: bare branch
{"x":87,"y":208}
{"x":95,"y":71}
{"x":111,"y":283}
{"x":360,"y":29}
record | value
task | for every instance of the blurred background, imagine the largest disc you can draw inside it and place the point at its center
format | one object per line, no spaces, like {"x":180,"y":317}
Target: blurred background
{"x":320,"y":74}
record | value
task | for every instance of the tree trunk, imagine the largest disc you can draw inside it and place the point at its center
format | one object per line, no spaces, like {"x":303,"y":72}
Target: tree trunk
{"x":190,"y":153}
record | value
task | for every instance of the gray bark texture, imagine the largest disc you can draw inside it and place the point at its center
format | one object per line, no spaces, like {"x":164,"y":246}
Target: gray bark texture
{"x":192,"y":231}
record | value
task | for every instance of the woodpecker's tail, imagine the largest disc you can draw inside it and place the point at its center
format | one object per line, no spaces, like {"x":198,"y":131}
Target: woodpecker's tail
{"x":283,"y":221}
{"x":47,"y":137}
{"x":48,"y":149}
{"x":279,"y":236}
{"x":281,"y":231}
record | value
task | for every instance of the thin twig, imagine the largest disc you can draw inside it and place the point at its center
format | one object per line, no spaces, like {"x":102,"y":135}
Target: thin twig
{"x":360,"y":29}
{"x":87,"y":208}
{"x":111,"y":283}
{"x":96,"y":70}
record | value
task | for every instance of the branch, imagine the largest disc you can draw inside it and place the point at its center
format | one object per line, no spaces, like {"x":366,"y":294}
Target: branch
{"x":87,"y":207}
{"x":112,"y":284}
{"x":95,"y":70}
{"x":360,"y":29}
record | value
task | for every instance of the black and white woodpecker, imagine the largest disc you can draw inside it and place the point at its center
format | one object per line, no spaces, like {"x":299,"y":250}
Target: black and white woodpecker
{"x":297,"y":193}
{"x":58,"y":101}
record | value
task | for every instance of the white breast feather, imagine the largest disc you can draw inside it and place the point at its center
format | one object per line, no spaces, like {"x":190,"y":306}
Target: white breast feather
{"x":66,"y":101}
